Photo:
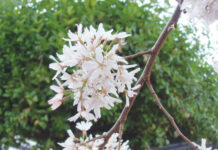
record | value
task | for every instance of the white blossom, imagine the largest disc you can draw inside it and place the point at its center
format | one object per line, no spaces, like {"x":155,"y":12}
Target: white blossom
{"x":86,"y":115}
{"x":84,"y":143}
{"x":56,"y":66}
{"x":113,"y":143}
{"x":92,"y":72}
{"x":57,"y":100}
{"x":203,"y":145}
{"x":69,"y":144}
{"x":83,"y":126}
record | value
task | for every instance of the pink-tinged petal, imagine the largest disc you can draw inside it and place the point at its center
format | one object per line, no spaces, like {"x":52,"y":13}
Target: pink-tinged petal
{"x":55,"y":66}
{"x":57,"y":89}
{"x":56,"y":105}
{"x":74,"y":118}
{"x":57,"y":97}
{"x":122,"y":35}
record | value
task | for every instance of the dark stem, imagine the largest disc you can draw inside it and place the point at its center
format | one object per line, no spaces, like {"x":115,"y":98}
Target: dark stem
{"x":171,"y":119}
{"x":138,"y":54}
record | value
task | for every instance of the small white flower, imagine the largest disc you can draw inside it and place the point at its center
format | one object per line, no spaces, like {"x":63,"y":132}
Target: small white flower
{"x":122,"y":35}
{"x":113,"y":143}
{"x":69,"y":144}
{"x":203,"y":145}
{"x":84,"y":114}
{"x":56,"y":66}
{"x":83,"y":126}
{"x":57,"y":100}
{"x":73,"y":143}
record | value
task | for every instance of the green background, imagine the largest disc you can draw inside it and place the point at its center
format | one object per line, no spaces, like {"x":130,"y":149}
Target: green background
{"x":185,"y":83}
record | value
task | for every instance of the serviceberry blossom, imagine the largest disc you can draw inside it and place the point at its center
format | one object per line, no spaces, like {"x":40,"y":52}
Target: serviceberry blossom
{"x":57,"y":100}
{"x":113,"y":143}
{"x":69,"y":144}
{"x":83,"y":126}
{"x":207,"y":10}
{"x":84,"y":143}
{"x":202,"y":146}
{"x":90,"y":71}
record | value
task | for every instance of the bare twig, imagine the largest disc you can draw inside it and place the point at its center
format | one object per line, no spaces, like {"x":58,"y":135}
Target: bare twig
{"x":145,"y":77}
{"x":168,"y":115}
{"x":138,"y":54}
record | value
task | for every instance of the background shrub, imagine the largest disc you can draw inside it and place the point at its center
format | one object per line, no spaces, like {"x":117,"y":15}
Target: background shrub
{"x":30,"y":31}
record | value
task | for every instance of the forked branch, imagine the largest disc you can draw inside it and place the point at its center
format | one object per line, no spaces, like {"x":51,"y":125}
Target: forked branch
{"x":145,"y":77}
{"x":171,"y":119}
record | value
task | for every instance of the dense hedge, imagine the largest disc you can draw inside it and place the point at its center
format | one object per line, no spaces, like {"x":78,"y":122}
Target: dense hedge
{"x":30,"y":32}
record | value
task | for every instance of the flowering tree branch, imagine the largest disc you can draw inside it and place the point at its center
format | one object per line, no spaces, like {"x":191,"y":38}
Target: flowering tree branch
{"x":145,"y":77}
{"x":99,"y":75}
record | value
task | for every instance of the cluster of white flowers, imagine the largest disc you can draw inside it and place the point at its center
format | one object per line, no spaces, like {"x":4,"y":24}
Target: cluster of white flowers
{"x":203,"y":145}
{"x":206,"y":10}
{"x":84,"y":142}
{"x":92,"y":72}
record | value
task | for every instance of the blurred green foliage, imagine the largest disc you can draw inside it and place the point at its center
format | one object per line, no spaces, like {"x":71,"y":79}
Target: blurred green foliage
{"x":30,"y":31}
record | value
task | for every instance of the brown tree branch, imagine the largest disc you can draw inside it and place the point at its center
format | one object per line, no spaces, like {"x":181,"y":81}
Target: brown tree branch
{"x":120,"y":135}
{"x":171,"y":119}
{"x":138,"y":54}
{"x":145,"y":77}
